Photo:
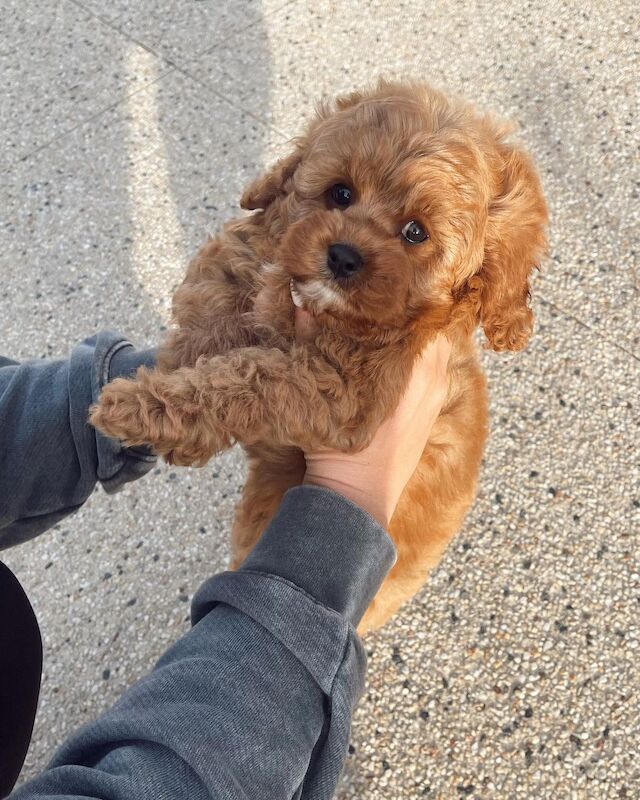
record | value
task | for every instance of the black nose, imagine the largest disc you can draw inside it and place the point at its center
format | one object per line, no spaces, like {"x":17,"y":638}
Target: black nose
{"x":343,"y":260}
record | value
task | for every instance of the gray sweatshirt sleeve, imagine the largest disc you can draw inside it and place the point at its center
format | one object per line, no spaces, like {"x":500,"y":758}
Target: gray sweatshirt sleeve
{"x":50,"y":457}
{"x":256,"y":700}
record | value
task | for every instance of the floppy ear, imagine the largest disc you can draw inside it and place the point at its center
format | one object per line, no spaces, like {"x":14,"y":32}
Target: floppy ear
{"x":265,"y":189}
{"x":273,"y":184}
{"x":345,"y":101}
{"x":515,"y":242}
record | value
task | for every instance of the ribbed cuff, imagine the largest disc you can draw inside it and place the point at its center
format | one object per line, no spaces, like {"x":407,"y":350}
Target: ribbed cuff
{"x":125,"y":360}
{"x":328,"y":546}
{"x":113,"y":356}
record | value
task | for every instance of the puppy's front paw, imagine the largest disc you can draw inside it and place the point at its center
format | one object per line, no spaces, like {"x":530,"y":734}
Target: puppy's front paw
{"x":123,"y":412}
{"x":160,"y":411}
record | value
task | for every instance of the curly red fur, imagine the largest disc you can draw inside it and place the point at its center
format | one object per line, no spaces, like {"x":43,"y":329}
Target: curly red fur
{"x":231,"y":369}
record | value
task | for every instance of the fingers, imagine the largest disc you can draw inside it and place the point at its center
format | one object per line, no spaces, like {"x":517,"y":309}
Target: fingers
{"x":306,"y":325}
{"x":435,"y":356}
{"x":429,"y":379}
{"x":431,"y":366}
{"x":442,"y":354}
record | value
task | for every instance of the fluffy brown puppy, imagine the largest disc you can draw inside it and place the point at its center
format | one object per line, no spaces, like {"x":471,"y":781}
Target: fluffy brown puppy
{"x":398,"y":215}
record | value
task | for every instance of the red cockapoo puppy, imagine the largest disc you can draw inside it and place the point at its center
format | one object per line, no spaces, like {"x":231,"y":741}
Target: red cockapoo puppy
{"x":400,"y":214}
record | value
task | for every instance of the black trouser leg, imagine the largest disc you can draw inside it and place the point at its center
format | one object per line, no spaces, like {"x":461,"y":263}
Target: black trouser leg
{"x":20,"y":671}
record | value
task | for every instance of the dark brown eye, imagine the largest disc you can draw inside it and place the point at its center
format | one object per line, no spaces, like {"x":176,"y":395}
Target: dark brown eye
{"x":414,"y":232}
{"x":341,"y":195}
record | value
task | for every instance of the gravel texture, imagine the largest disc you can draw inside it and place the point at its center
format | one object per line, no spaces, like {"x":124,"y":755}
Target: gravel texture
{"x":129,"y":132}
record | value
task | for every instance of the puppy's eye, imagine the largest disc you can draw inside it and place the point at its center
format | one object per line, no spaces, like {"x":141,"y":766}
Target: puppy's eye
{"x":414,"y":232}
{"x":341,"y":195}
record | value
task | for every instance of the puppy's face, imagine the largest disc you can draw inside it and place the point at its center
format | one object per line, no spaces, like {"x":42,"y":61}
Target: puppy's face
{"x":367,"y":231}
{"x":402,"y":208}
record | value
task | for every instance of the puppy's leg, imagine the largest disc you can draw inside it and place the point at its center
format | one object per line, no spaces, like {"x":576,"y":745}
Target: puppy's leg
{"x":420,"y":548}
{"x":405,"y":579}
{"x":252,"y":395}
{"x":158,"y":409}
{"x":270,"y":476}
{"x":213,"y":309}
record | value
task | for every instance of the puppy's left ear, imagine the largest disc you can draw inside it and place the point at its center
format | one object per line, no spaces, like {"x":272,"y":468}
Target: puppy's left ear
{"x":515,"y":242}
{"x":264,"y":190}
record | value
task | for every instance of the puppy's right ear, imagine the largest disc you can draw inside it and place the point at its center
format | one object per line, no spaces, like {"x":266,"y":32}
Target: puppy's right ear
{"x":515,"y":243}
{"x":273,"y":184}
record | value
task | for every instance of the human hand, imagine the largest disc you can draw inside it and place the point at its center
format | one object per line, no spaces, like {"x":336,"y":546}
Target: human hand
{"x":375,"y":477}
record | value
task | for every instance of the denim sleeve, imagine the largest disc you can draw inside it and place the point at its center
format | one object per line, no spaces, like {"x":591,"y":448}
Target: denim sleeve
{"x":256,"y":700}
{"x":50,"y":457}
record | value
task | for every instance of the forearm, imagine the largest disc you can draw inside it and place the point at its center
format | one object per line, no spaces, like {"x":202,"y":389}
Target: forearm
{"x":50,"y":457}
{"x":206,"y":723}
{"x":257,"y":699}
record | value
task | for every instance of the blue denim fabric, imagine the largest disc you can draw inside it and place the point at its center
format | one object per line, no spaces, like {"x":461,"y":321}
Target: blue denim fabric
{"x":255,"y":701}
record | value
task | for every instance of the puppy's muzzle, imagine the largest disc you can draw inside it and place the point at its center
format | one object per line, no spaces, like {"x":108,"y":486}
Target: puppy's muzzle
{"x":343,"y":260}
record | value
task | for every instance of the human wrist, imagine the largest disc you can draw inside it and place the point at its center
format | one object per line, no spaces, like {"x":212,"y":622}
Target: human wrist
{"x":374,"y":504}
{"x":328,"y":546}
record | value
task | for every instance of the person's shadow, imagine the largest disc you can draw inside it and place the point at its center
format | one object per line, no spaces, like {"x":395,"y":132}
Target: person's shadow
{"x":101,"y":226}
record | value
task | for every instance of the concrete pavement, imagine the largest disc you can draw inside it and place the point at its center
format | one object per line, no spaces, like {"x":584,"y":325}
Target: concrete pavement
{"x":129,"y":131}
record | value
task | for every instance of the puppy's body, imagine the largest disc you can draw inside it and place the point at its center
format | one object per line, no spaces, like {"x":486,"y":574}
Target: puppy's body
{"x":410,"y":164}
{"x":227,"y":278}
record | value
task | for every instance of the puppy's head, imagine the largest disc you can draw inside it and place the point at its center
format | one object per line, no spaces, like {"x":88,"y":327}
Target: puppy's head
{"x":403,"y":209}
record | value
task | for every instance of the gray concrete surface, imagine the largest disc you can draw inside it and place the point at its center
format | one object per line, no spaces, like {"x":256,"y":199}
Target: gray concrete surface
{"x":129,"y":130}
